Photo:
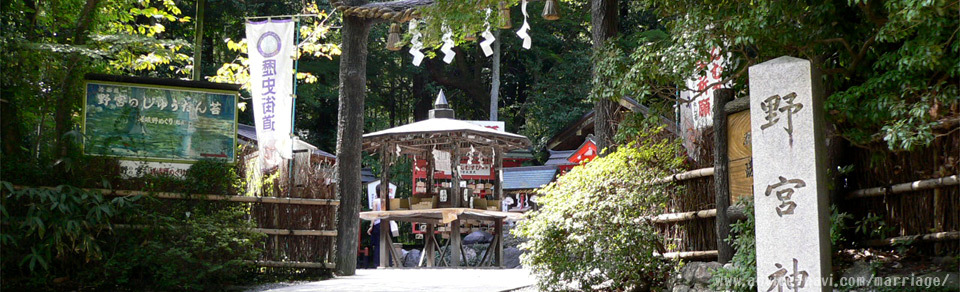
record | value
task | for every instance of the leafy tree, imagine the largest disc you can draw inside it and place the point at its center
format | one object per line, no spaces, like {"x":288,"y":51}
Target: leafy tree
{"x":591,"y":231}
{"x":46,"y":48}
{"x":887,"y":65}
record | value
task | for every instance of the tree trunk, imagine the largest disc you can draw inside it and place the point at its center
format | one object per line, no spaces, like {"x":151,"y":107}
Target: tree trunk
{"x":353,"y":79}
{"x":63,"y":113}
{"x":421,"y":109}
{"x":198,"y":42}
{"x":10,"y":125}
{"x":495,"y":79}
{"x":604,"y":26}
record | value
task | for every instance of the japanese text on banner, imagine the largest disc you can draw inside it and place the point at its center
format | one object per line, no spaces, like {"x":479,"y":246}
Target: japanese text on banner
{"x":271,"y":49}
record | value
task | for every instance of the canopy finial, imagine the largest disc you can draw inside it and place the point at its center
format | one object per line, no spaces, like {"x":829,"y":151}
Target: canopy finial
{"x":441,"y":109}
{"x":441,"y":101}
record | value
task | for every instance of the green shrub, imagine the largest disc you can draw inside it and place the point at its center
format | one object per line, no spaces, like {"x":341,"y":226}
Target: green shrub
{"x":211,"y":177}
{"x":203,"y":251}
{"x":838,"y":225}
{"x":49,"y":232}
{"x":68,"y":238}
{"x":590,"y":231}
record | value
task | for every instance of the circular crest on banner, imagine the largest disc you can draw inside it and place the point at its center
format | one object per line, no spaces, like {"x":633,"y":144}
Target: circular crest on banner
{"x":269,"y":44}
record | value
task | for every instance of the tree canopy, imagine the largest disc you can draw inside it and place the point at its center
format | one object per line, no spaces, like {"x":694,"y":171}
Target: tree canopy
{"x":890,"y":67}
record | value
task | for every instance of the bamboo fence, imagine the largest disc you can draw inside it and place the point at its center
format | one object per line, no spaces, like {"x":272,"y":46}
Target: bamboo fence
{"x":915,"y":192}
{"x":301,"y":235}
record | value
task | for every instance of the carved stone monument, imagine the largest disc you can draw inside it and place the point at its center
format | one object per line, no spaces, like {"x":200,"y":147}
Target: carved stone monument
{"x":789,"y":176}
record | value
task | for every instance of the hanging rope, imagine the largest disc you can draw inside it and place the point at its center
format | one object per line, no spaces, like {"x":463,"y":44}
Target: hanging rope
{"x":377,"y":11}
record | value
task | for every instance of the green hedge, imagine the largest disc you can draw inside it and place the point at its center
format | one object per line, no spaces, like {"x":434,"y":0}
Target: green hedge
{"x":589,"y":233}
{"x":68,"y":238}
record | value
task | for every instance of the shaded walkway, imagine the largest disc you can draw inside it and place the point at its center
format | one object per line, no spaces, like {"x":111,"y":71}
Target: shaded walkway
{"x":420,"y":280}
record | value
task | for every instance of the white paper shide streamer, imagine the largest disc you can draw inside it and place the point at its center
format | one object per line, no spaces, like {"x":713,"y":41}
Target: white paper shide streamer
{"x":488,"y":38}
{"x":448,"y":45}
{"x":271,"y":48}
{"x":415,"y":44}
{"x":524,"y":30}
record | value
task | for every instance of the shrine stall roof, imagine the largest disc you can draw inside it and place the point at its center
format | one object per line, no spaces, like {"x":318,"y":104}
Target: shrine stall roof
{"x":528,"y":177}
{"x":427,"y":134}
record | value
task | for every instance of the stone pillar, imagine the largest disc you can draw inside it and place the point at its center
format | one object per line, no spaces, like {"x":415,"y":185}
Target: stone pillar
{"x":789,"y":171}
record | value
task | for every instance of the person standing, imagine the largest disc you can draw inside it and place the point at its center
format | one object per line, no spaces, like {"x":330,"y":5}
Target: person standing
{"x":374,"y":232}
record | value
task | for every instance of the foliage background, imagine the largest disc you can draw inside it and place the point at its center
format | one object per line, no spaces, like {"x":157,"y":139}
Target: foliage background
{"x":889,"y":67}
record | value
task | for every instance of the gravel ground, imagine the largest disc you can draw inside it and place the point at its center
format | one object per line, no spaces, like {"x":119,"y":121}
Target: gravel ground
{"x":416,"y":280}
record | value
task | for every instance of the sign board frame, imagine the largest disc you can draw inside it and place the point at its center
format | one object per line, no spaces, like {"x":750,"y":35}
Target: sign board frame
{"x":230,"y":159}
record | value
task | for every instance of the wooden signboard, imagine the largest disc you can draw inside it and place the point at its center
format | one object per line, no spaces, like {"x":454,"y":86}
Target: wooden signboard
{"x":739,"y":157}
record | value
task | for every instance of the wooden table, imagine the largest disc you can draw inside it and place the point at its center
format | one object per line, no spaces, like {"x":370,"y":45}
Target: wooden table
{"x":433,"y":217}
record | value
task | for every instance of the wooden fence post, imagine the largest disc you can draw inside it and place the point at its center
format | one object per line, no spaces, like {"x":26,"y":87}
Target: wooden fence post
{"x":498,"y":256}
{"x":429,"y":244}
{"x":721,"y":173}
{"x":455,"y":244}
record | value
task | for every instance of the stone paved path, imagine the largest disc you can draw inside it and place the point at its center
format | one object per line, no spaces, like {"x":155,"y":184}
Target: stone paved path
{"x":418,"y":280}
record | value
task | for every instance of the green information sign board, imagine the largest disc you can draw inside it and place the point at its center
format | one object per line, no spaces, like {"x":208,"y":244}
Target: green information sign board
{"x":159,"y":123}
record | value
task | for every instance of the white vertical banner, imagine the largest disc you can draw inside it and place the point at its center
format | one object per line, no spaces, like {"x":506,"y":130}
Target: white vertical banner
{"x":697,"y":114}
{"x":271,"y":48}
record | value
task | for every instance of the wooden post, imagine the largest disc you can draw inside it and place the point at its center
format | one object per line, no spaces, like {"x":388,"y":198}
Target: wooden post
{"x":276,"y":224}
{"x":455,"y":243}
{"x":385,"y":178}
{"x":720,"y":173}
{"x":429,"y":244}
{"x":455,"y":176}
{"x":498,"y":228}
{"x":386,"y":249}
{"x":938,"y":217}
{"x":430,"y":170}
{"x":394,"y":254}
{"x":385,"y":245}
{"x":497,"y":180}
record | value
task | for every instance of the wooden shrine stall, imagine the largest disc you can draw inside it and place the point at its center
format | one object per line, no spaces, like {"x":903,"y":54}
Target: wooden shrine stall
{"x":450,"y":148}
{"x":450,"y":217}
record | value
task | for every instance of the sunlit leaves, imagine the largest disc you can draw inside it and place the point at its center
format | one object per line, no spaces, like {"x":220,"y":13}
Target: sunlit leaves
{"x":460,"y":18}
{"x":313,"y":34}
{"x":590,"y":228}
